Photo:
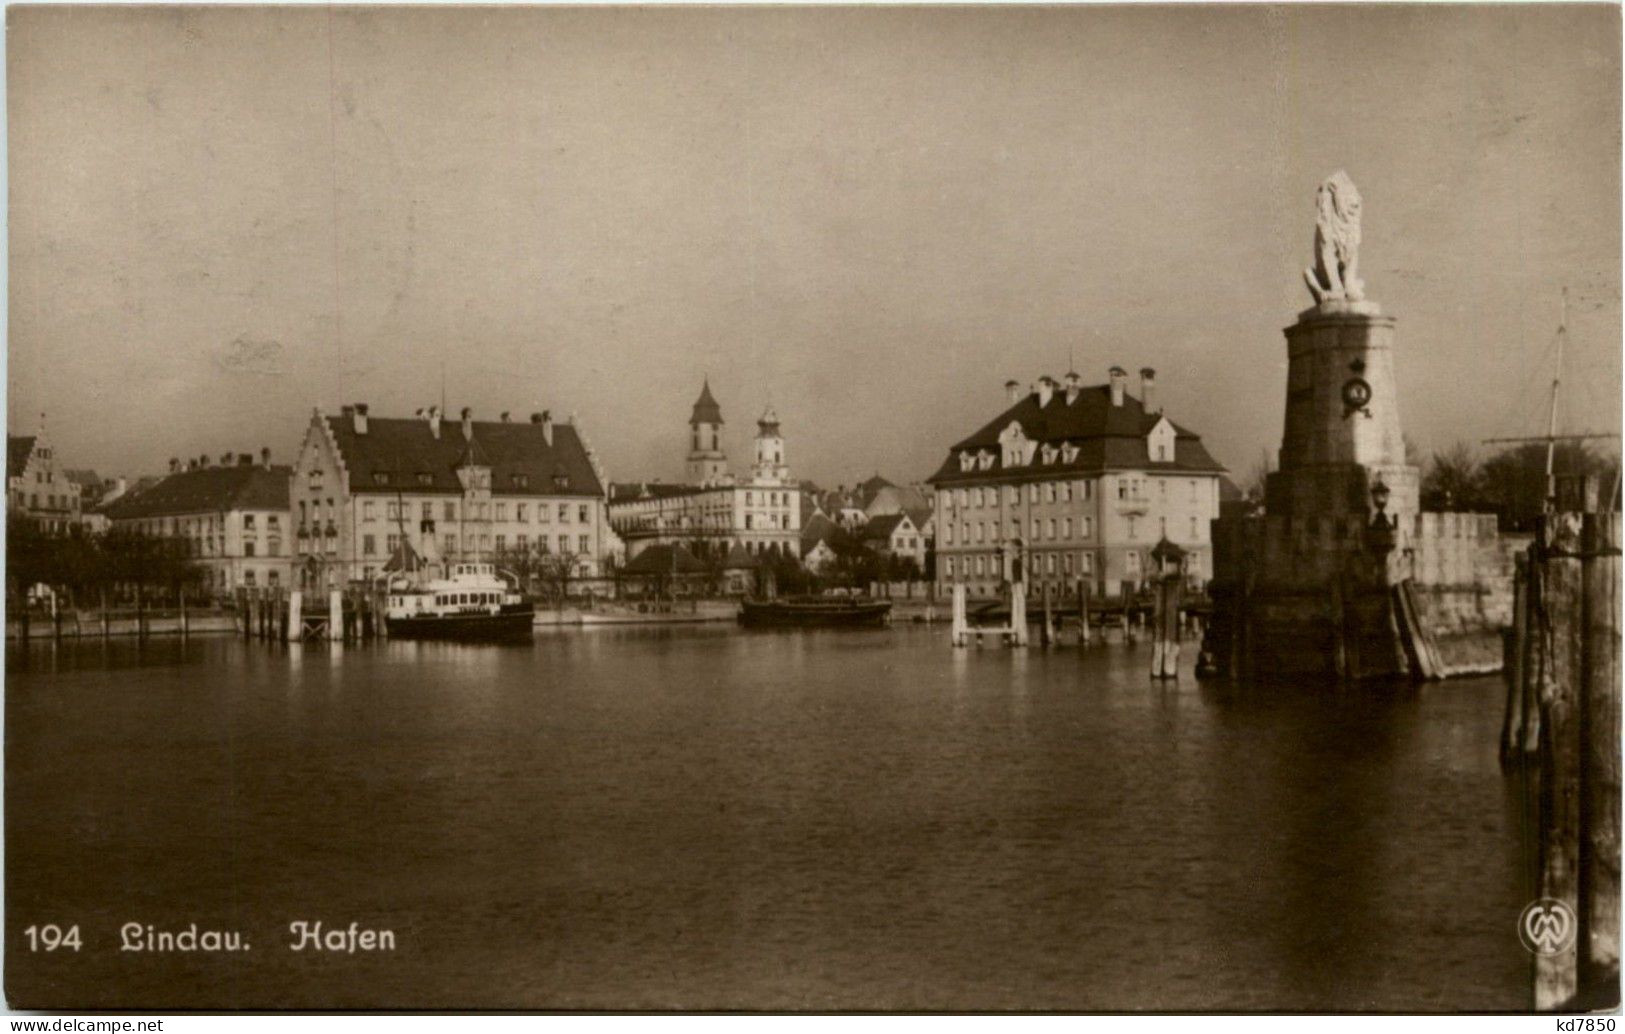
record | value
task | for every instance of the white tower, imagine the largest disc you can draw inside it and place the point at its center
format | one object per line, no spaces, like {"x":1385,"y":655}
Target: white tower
{"x":770,"y":465}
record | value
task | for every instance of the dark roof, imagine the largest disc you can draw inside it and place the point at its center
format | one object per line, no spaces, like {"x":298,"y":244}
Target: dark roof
{"x":1108,"y":437}
{"x":18,"y":448}
{"x":396,"y":453}
{"x":664,"y":559}
{"x":867,"y":490}
{"x":706,"y":410}
{"x":881,"y":527}
{"x":207,"y":490}
{"x":628,"y":491}
{"x":83,"y":478}
{"x":817,"y":527}
{"x":738,"y":557}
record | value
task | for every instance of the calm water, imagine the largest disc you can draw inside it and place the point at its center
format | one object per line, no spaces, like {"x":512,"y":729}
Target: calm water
{"x":706,"y":819}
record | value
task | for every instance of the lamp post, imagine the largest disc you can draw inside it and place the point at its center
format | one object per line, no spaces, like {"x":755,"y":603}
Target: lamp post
{"x":1380,"y":532}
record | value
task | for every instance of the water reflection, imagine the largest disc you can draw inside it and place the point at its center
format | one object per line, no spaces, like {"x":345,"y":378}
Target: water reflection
{"x":695,"y":817}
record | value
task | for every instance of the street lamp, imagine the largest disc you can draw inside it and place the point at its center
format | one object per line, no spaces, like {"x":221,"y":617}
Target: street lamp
{"x":1380,"y":532}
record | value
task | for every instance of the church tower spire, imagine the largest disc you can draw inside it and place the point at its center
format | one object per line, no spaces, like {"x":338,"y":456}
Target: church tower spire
{"x":770,"y":465}
{"x":707,"y":463}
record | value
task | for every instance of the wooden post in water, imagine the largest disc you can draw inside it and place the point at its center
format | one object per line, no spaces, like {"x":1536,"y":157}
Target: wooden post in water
{"x":1046,"y":635}
{"x":1600,"y":762}
{"x":185,"y":629}
{"x":1571,"y":654}
{"x":140,"y":612}
{"x":335,"y":615}
{"x":107,"y":629}
{"x":959,"y":630}
{"x":1083,"y":611}
{"x":1018,"y":614}
{"x":295,"y":616}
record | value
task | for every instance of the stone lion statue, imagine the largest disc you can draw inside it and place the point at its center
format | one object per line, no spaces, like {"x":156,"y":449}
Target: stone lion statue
{"x":1335,"y":274}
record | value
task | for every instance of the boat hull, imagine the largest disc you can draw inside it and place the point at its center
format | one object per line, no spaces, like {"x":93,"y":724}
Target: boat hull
{"x":509,"y":625}
{"x":780,"y":614}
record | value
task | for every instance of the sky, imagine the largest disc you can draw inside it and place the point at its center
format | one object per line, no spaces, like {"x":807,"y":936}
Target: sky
{"x":870,"y":219}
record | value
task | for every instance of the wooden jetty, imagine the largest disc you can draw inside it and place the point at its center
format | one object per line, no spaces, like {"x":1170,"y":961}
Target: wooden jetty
{"x":1561,"y":737}
{"x":353,"y":615}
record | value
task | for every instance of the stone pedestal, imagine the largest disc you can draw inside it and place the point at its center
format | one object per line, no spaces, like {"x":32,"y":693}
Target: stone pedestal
{"x":1342,"y":432}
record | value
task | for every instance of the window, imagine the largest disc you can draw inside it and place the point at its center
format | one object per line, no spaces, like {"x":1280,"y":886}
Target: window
{"x":1066,"y":563}
{"x":1086,"y":563}
{"x":368,"y":510}
{"x":369,"y":545}
{"x":502,"y":511}
{"x":379,"y":477}
{"x":1066,"y":491}
{"x":1049,"y":563}
{"x":1131,"y":562}
{"x":1032,"y":492}
{"x":564,"y":543}
{"x":1086,"y":527}
{"x":979,"y":561}
{"x":564,"y":513}
{"x":948,"y":535}
{"x":502,"y":543}
{"x":541,"y":545}
{"x":248,"y":576}
{"x":1066,"y":527}
{"x":1195,"y":533}
{"x":584,"y":544}
{"x":272,"y":578}
{"x":248,"y":549}
{"x":427,"y":510}
{"x":393,"y":511}
{"x":523,"y":543}
{"x":248,"y":522}
{"x":301,"y":511}
{"x":519,"y":514}
{"x":1049,"y":492}
{"x":393,"y":543}
{"x":1012,"y":495}
{"x":315,"y":480}
{"x":425,"y":478}
{"x":543,"y":514}
{"x":1038,"y":529}
{"x":1052,"y":528}
{"x":581,"y":514}
{"x":451,"y":545}
{"x":451,"y":511}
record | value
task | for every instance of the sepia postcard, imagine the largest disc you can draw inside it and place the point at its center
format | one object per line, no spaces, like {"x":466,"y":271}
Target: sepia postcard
{"x":788,"y":509}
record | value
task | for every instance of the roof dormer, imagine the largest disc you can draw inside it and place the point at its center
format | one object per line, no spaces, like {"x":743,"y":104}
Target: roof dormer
{"x":1016,"y":447}
{"x":1159,"y":442}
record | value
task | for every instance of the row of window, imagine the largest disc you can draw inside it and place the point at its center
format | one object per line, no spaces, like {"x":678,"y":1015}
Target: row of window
{"x":1129,"y":487}
{"x":478,"y":511}
{"x":989,"y":531}
{"x":483,"y":543}
{"x":988,"y":565}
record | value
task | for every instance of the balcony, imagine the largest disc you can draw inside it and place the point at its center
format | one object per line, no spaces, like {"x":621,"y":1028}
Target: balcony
{"x":1134,"y":505}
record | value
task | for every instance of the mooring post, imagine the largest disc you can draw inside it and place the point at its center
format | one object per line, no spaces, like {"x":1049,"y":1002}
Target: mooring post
{"x":959,"y":630}
{"x":335,"y":615}
{"x":1512,"y":668}
{"x":185,"y":629}
{"x":1560,"y":666}
{"x":1083,"y":611}
{"x":1047,"y":633}
{"x":106,"y":626}
{"x":296,"y":617}
{"x":1600,"y":762}
{"x":1018,"y":614}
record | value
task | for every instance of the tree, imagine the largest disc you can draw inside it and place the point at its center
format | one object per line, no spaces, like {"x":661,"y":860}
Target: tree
{"x":1514,"y":480}
{"x":1454,"y":481}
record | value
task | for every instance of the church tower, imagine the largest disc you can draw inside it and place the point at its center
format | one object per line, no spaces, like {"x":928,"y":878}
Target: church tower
{"x":707,"y":464}
{"x":770,"y":465}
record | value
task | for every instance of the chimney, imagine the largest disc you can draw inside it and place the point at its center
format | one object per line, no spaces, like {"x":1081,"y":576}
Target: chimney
{"x":203,"y":461}
{"x":504,"y":416}
{"x":347,"y":410}
{"x":1012,"y":392}
{"x":1072,"y":380}
{"x":547,"y":427}
{"x":360,"y":418}
{"x":191,"y":464}
{"x":245,"y":459}
{"x":265,"y":457}
{"x":1046,"y":390}
{"x":468,"y":424}
{"x":434,"y":421}
{"x":225,"y":459}
{"x":1148,"y":390}
{"x":174,"y":464}
{"x":1118,"y":376}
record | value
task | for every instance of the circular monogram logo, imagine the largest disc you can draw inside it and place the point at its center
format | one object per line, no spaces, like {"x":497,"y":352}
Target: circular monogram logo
{"x":1356,"y":393}
{"x":1547,"y":926}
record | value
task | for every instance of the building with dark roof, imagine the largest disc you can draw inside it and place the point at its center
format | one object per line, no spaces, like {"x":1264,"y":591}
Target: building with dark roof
{"x":451,"y":489}
{"x":35,"y":489}
{"x":714,"y":511}
{"x":1074,"y":483}
{"x":895,"y":535}
{"x":233,"y":516}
